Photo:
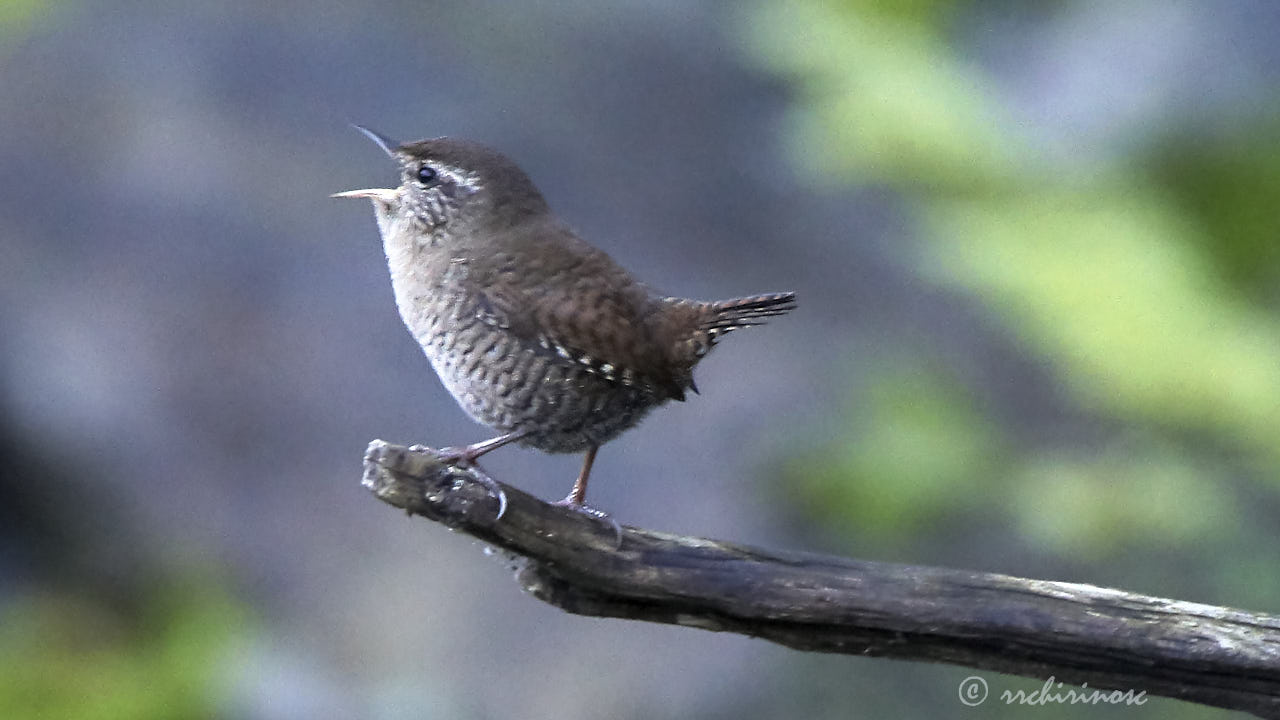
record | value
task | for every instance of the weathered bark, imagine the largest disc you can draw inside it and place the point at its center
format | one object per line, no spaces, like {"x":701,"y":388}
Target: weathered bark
{"x":1075,"y":633}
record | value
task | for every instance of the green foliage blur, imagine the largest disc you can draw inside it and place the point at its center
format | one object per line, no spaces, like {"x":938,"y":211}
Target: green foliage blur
{"x":1146,"y":288}
{"x":73,"y":655}
{"x":17,"y":15}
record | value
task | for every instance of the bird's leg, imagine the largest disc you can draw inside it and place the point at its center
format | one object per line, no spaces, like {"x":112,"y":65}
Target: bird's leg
{"x":574,"y":501}
{"x":579,"y":491}
{"x":468,"y":454}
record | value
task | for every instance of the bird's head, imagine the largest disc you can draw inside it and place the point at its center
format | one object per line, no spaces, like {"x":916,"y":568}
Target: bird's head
{"x":448,"y":184}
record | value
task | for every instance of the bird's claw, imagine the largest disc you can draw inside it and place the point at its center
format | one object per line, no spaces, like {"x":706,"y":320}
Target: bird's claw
{"x":597,"y":514}
{"x":495,"y":489}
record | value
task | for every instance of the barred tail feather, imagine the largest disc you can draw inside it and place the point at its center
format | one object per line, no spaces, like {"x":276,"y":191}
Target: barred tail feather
{"x":696,"y":326}
{"x":728,"y":315}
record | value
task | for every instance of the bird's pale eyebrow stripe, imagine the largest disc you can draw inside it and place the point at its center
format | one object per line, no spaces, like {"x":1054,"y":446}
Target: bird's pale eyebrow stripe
{"x":458,"y":176}
{"x":455,"y":175}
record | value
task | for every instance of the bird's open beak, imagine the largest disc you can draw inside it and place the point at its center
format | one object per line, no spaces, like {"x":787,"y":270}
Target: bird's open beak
{"x":383,"y":195}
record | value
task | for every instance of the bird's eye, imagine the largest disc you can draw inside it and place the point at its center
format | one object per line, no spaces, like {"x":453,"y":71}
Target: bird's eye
{"x":426,"y":175}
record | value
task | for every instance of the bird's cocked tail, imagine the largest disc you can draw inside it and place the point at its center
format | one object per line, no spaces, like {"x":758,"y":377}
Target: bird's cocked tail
{"x":707,"y":322}
{"x":729,"y":315}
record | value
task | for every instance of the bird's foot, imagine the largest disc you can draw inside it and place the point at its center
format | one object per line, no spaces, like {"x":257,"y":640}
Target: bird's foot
{"x":598,"y":514}
{"x":466,"y":457}
{"x":467,"y":454}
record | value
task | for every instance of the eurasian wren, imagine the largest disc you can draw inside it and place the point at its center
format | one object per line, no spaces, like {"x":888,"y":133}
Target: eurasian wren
{"x":535,"y":332}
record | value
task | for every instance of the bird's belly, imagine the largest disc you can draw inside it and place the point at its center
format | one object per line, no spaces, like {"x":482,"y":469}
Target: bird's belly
{"x":502,"y":383}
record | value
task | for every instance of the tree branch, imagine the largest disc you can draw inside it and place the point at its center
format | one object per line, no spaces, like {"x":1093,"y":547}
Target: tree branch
{"x":1075,"y":633}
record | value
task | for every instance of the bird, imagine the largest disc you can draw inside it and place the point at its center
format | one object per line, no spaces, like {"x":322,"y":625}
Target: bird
{"x":535,"y":332}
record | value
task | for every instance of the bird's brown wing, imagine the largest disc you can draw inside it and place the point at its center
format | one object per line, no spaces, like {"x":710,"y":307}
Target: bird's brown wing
{"x":579,"y":307}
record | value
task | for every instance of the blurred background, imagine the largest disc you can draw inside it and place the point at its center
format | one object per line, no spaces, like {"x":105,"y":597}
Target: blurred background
{"x":1037,"y":256}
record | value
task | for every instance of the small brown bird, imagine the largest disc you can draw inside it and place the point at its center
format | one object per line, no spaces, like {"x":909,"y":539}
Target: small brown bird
{"x":535,"y":333}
